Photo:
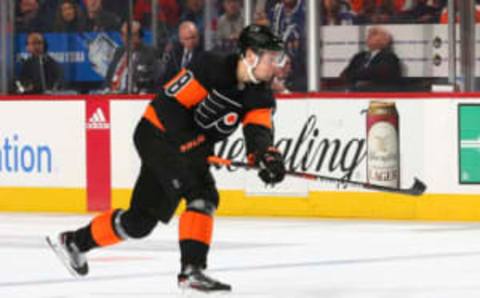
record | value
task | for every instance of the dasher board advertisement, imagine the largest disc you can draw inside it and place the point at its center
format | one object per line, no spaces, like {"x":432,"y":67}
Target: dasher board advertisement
{"x":125,"y":161}
{"x":326,"y":137}
{"x":42,"y":144}
{"x":77,"y":155}
{"x":469,"y":143}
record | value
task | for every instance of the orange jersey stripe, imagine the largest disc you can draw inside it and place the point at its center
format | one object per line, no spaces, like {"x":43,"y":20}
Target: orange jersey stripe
{"x":186,"y":89}
{"x":152,"y":117}
{"x":260,"y":117}
{"x":102,"y":229}
{"x":196,"y":226}
{"x":176,"y":78}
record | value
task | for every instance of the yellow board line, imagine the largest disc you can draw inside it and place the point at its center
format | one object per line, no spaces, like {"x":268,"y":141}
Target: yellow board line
{"x":43,"y":199}
{"x":366,"y":205}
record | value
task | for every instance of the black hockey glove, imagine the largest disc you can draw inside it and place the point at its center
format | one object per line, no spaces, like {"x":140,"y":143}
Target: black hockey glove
{"x":272,"y":169}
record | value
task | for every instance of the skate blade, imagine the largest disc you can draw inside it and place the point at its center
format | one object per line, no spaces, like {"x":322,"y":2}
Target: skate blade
{"x":187,"y":291}
{"x":61,"y":256}
{"x":193,"y":293}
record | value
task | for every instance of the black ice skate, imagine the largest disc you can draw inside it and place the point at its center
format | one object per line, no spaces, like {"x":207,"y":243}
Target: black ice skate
{"x":193,"y":278}
{"x":68,"y":252}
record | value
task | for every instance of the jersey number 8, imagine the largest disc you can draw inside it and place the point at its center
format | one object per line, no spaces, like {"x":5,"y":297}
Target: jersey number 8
{"x":177,"y":83}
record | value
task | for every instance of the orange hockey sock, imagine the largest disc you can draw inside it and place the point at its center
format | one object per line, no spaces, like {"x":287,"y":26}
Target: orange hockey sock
{"x":196,"y":226}
{"x":102,"y":229}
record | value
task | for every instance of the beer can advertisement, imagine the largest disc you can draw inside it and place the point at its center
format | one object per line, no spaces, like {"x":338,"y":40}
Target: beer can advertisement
{"x":383,"y":156}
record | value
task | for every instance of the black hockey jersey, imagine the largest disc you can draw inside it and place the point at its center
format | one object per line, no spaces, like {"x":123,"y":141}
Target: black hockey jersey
{"x":205,"y":103}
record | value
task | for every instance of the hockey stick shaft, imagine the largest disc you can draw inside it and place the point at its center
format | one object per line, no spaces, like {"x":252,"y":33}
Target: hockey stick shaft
{"x":417,"y":188}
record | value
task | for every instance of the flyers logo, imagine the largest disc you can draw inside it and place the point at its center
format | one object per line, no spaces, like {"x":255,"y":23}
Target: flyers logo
{"x":230,"y":119}
{"x":218,"y":114}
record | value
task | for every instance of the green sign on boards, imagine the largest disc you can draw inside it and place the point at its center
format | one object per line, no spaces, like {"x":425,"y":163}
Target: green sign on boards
{"x":469,"y":143}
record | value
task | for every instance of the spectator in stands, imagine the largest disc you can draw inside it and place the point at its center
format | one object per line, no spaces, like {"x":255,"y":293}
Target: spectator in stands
{"x":117,"y":7}
{"x":261,"y":18}
{"x":230,"y":24}
{"x":359,"y":6}
{"x":40,"y":72}
{"x":262,"y":7}
{"x":187,"y":48}
{"x":193,"y":12}
{"x":168,"y":12}
{"x":336,"y":12}
{"x":379,"y":11}
{"x":69,"y":17}
{"x":420,"y":12}
{"x":98,"y":19}
{"x":285,"y":81}
{"x":440,"y":5}
{"x":444,"y":14}
{"x":167,"y":18}
{"x":265,"y":5}
{"x":287,"y":19}
{"x":145,"y":67}
{"x":48,"y":11}
{"x":378,"y":68}
{"x":29,"y":17}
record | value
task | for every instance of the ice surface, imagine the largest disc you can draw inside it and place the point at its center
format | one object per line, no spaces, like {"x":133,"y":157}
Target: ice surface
{"x":272,"y":257}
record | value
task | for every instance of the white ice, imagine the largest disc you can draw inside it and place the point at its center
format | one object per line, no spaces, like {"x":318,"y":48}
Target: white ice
{"x":272,"y":257}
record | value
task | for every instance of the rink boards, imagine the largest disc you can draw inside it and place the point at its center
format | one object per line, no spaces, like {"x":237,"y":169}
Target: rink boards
{"x":75,"y":154}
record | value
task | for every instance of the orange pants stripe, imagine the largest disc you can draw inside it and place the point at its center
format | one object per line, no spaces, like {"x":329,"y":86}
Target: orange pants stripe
{"x":102,"y":229}
{"x":196,"y":226}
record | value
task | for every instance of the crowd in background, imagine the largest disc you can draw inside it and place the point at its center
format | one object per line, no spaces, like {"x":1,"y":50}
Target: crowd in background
{"x":101,"y":15}
{"x":181,"y":25}
{"x":105,"y":15}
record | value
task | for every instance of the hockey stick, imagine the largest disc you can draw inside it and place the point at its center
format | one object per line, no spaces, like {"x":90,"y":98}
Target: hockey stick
{"x":418,"y":187}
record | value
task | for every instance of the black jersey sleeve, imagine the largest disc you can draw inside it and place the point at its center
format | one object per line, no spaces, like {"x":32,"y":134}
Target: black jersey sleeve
{"x":257,"y":121}
{"x":258,"y":96}
{"x":258,"y":138}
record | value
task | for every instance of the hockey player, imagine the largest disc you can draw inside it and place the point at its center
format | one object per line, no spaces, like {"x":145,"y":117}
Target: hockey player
{"x":203,"y":104}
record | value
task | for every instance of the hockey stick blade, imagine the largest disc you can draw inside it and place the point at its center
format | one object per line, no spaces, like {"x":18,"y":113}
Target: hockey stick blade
{"x":417,"y":189}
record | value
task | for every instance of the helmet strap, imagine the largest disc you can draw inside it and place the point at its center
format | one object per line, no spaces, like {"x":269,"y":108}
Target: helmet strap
{"x":251,"y":68}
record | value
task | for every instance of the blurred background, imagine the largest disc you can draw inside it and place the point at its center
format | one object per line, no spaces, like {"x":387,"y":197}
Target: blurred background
{"x":133,"y":46}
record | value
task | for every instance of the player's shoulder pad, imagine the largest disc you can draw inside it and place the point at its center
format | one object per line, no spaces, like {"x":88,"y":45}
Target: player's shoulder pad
{"x":213,"y":69}
{"x":207,"y":59}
